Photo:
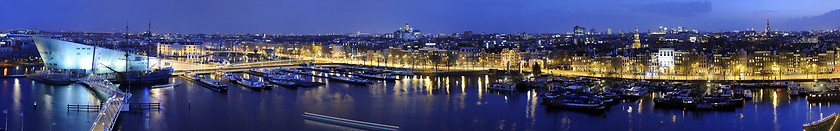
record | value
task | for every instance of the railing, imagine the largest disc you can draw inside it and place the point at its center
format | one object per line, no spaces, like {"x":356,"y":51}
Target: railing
{"x":84,"y":107}
{"x":112,"y":107}
{"x":825,"y":124}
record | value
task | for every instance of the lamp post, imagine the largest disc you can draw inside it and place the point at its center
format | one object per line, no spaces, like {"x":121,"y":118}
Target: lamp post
{"x":51,"y":125}
{"x":21,"y":121}
{"x":6,"y":113}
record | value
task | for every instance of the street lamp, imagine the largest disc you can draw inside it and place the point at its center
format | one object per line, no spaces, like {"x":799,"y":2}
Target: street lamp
{"x":21,"y":121}
{"x":51,"y":125}
{"x":6,"y":113}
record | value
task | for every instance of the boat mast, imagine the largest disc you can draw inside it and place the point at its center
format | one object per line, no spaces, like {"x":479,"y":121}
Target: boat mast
{"x":125,"y":38}
{"x":93,"y":65}
{"x":149,"y":31}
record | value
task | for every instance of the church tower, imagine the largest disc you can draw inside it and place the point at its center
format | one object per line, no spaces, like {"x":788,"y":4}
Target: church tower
{"x":767,"y":28}
{"x":636,"y":42}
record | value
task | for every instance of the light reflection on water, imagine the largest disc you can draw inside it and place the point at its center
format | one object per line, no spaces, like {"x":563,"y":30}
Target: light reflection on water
{"x":416,"y":102}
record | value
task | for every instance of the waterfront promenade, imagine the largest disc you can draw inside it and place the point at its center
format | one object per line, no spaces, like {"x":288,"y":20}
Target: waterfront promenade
{"x":427,"y":68}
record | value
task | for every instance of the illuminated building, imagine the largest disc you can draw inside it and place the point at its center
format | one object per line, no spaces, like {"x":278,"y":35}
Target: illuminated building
{"x":579,"y":31}
{"x":183,"y":48}
{"x":767,"y":28}
{"x":636,"y":42}
{"x":85,"y":59}
{"x":407,"y":33}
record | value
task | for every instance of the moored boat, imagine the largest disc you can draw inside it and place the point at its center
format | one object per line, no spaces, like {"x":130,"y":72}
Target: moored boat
{"x":253,"y":84}
{"x":748,"y":94}
{"x":349,"y":79}
{"x":282,"y":82}
{"x":213,"y":83}
{"x":794,"y":90}
{"x":576,"y":104}
{"x":49,"y":77}
{"x":676,"y":101}
{"x":823,"y":96}
{"x":633,"y":92}
{"x":145,"y":77}
{"x":192,"y":76}
{"x":508,"y":86}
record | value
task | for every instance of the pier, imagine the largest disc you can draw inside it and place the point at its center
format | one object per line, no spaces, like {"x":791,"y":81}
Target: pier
{"x":113,"y":105}
{"x":825,"y":124}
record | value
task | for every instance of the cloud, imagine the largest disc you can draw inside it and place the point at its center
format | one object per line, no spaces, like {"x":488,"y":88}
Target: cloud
{"x":682,"y":9}
{"x":820,"y":22}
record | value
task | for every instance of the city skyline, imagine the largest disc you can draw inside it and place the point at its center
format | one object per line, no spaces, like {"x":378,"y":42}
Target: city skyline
{"x":420,"y":65}
{"x":432,"y":17}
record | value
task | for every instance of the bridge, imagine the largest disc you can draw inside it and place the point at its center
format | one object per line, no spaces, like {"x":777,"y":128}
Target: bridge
{"x":828,"y":123}
{"x":116,"y":102}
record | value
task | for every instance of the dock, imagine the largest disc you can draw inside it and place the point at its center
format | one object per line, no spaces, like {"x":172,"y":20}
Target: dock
{"x":112,"y":106}
{"x":828,"y":123}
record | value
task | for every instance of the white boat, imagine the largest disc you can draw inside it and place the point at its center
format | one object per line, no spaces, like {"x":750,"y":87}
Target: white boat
{"x":350,"y":79}
{"x":167,"y":85}
{"x":794,"y":90}
{"x":634,"y":92}
{"x":282,"y":82}
{"x":502,"y":86}
{"x":259,"y":70}
{"x":192,"y":76}
{"x":252,"y":83}
{"x":214,"y":83}
{"x":324,"y":69}
{"x":748,"y":94}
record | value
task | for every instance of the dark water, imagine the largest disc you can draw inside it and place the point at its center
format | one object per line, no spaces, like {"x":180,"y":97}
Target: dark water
{"x":414,"y":103}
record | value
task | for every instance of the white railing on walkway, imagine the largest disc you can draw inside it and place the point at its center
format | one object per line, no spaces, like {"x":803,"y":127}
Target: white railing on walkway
{"x":109,"y":112}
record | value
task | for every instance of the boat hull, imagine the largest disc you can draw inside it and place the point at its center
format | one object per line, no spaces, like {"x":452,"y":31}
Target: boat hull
{"x":561,"y":104}
{"x":50,"y":81}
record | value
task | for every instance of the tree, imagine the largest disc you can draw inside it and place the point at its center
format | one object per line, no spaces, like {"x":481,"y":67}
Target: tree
{"x":435,"y":60}
{"x":536,"y":69}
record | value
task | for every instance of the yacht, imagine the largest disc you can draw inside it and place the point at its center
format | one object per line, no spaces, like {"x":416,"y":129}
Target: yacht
{"x":823,"y":96}
{"x":253,"y":84}
{"x":350,"y":79}
{"x":213,"y":83}
{"x":508,"y":86}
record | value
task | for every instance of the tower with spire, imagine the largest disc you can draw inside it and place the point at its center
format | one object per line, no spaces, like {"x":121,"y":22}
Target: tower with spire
{"x":636,"y":42}
{"x":767,"y":28}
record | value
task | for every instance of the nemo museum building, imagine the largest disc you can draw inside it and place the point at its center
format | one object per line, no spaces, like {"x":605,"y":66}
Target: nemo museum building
{"x":79,"y":59}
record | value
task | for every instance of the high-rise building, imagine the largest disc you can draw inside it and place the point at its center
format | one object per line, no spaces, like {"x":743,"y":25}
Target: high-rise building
{"x":579,"y":31}
{"x":407,"y":33}
{"x":592,"y":30}
{"x":609,"y":31}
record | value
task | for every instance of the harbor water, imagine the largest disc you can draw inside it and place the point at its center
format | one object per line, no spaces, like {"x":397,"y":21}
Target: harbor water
{"x":412,"y":103}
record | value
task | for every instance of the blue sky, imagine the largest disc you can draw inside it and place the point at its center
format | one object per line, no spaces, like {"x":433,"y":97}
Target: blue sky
{"x":430,"y":16}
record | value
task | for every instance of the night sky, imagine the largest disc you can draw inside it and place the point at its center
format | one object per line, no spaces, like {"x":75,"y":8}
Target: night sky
{"x":430,"y":16}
